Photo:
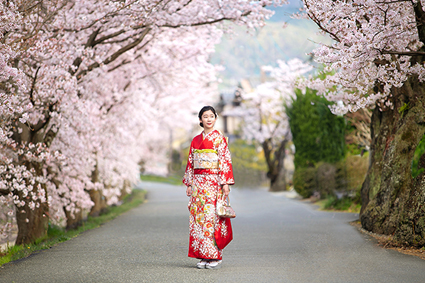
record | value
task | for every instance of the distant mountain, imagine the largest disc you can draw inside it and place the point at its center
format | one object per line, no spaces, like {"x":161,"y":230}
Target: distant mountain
{"x":243,"y":54}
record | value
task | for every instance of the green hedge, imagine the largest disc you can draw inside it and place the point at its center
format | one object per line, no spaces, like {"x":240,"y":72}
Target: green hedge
{"x":305,"y":181}
{"x":345,"y":177}
{"x":318,"y":135}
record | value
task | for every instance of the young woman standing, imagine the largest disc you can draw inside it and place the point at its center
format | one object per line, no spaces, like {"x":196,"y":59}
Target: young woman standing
{"x":207,"y":177}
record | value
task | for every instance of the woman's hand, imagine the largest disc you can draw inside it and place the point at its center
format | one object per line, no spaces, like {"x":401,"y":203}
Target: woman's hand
{"x":226,"y":190}
{"x":189,"y":191}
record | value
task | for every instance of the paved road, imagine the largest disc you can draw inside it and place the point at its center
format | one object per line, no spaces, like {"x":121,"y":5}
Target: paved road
{"x":277,"y":239}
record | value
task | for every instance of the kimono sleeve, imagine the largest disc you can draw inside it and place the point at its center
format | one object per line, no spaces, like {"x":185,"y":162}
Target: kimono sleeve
{"x":188,"y":174}
{"x":226,"y":170}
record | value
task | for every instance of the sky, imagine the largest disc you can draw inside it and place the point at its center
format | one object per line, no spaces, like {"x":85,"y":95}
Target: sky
{"x":284,"y":12}
{"x":242,"y":54}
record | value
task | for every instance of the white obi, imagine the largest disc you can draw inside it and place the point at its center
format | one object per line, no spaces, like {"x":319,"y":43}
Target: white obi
{"x":205,"y":159}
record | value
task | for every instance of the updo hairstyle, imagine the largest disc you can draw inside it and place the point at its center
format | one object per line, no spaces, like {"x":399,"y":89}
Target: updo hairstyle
{"x":204,"y":109}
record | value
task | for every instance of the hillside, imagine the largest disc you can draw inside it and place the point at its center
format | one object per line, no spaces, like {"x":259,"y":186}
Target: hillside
{"x":243,"y":54}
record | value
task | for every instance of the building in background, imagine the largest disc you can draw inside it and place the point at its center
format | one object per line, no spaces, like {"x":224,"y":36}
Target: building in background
{"x":230,"y":110}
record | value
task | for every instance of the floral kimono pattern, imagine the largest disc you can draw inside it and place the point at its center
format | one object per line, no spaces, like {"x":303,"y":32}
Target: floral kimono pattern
{"x":209,"y":166}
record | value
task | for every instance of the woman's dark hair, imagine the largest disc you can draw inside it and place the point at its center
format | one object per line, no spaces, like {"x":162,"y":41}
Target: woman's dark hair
{"x":204,"y":109}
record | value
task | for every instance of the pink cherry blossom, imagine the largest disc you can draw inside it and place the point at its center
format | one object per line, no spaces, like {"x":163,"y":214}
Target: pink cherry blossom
{"x":89,"y":89}
{"x":374,"y":42}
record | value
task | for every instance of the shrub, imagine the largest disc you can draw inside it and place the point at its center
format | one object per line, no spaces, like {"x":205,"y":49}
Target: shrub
{"x":305,"y":181}
{"x":340,"y":180}
{"x":318,"y":135}
{"x":326,"y":179}
{"x":339,"y":204}
{"x":249,"y":165}
{"x":357,"y":167}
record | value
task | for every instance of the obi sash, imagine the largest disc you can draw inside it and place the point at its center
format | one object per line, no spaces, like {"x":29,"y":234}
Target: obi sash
{"x":205,"y":159}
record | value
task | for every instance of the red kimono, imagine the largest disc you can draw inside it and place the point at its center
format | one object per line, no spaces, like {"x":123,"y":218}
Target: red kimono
{"x":208,"y":167}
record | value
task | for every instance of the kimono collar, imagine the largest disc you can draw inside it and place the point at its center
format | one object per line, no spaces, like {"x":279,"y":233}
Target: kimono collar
{"x":205,"y":135}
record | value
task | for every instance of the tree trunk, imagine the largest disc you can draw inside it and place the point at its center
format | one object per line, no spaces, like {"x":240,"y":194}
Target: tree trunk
{"x":275,"y":162}
{"x":392,"y":200}
{"x":74,"y":221}
{"x":32,"y":223}
{"x":99,"y":202}
{"x":279,"y":182}
{"x":124,"y":191}
{"x":96,"y":196}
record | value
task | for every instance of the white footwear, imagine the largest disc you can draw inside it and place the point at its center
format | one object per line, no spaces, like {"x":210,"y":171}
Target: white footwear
{"x":202,"y":264}
{"x":215,"y":264}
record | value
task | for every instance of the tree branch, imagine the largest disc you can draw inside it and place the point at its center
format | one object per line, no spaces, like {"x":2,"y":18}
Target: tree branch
{"x":91,"y":41}
{"x":395,"y":1}
{"x":319,"y":23}
{"x":106,"y":37}
{"x":33,"y":86}
{"x":114,"y":56}
{"x":406,"y":53}
{"x":205,"y":23}
{"x":420,"y":20}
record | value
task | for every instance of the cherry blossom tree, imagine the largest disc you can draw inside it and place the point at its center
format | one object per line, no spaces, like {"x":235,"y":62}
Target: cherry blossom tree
{"x":24,"y":148}
{"x":377,"y":56}
{"x":265,"y":119}
{"x":83,"y":83}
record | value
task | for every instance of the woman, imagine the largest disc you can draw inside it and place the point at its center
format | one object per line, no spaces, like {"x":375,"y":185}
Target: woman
{"x":207,"y":177}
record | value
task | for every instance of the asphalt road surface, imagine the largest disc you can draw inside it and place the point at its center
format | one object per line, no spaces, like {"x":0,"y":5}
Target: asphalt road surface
{"x":276,"y":239}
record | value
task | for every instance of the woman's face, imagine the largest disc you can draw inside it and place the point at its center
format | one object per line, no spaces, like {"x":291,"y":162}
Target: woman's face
{"x":208,"y":120}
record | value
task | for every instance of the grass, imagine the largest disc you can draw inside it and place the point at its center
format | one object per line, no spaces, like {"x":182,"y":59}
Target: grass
{"x":345,"y":204}
{"x":57,"y":235}
{"x":172,"y":179}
